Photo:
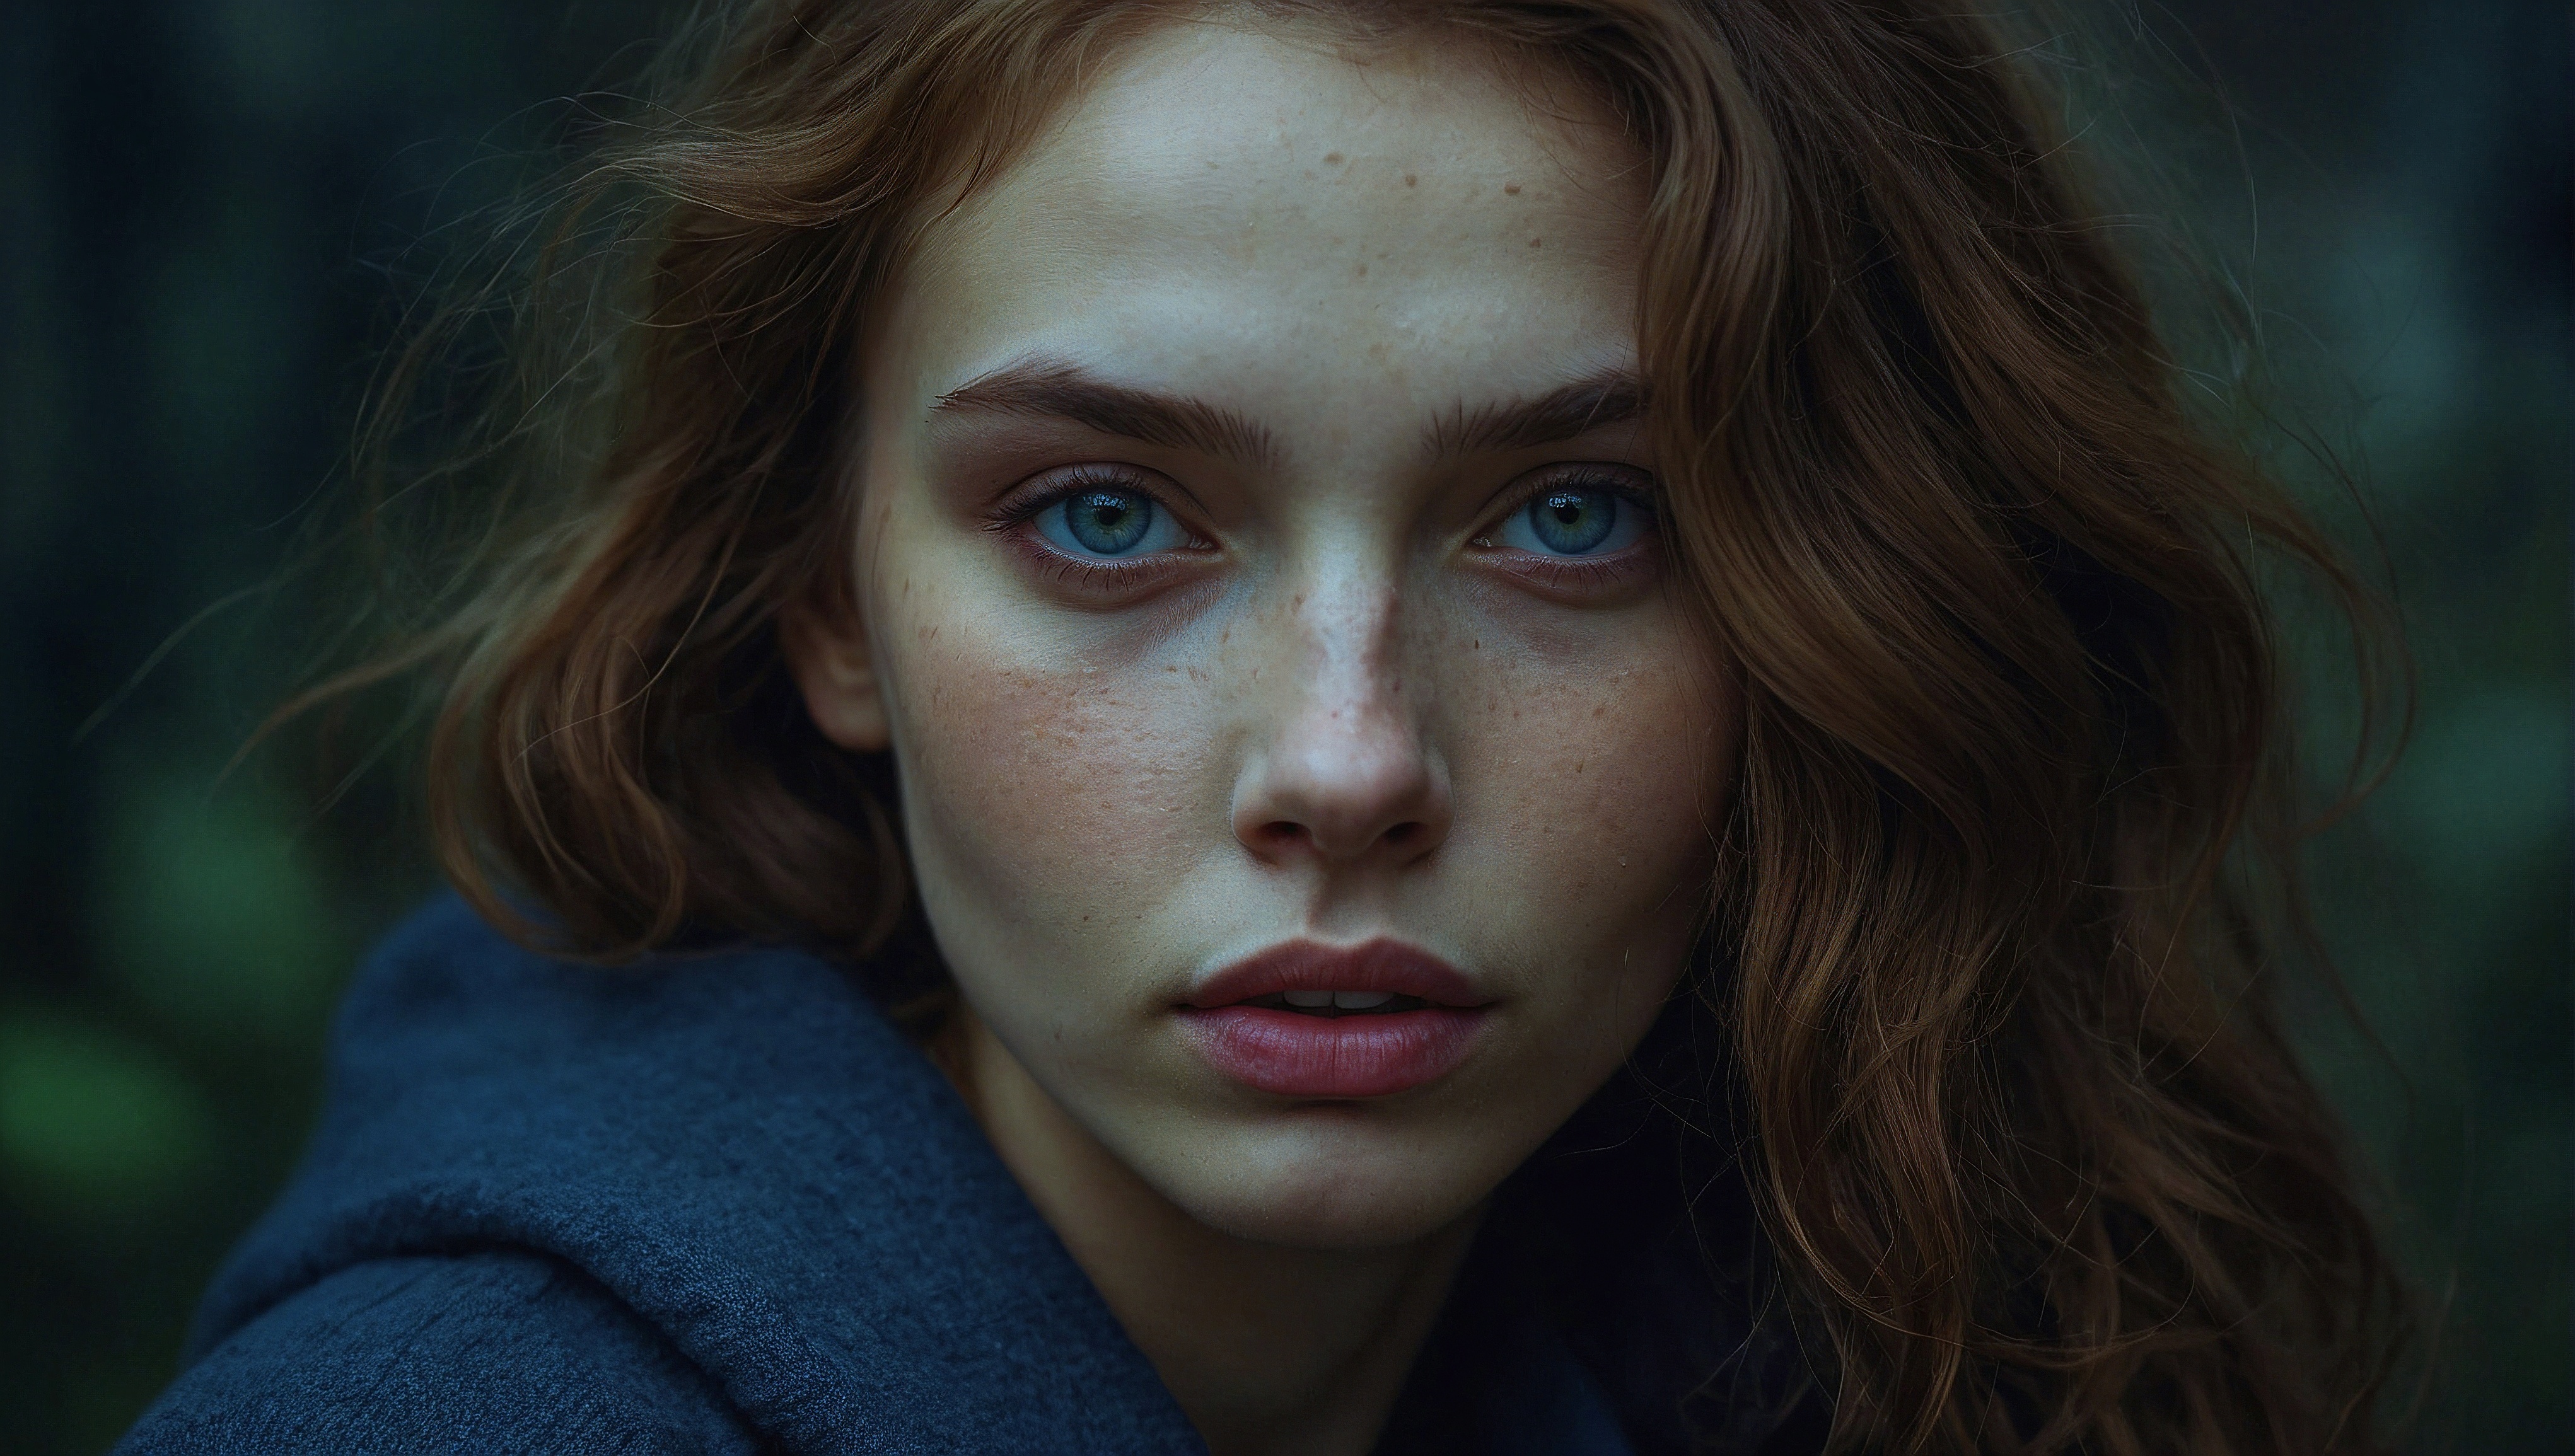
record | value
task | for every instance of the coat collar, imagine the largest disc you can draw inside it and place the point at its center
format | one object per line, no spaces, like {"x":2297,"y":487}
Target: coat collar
{"x":740,"y":1149}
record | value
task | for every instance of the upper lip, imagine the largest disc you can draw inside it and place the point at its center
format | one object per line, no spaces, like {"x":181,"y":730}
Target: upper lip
{"x":1307,"y":965}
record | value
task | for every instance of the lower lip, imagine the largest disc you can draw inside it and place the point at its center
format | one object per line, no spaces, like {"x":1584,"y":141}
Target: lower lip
{"x":1338,"y":1057}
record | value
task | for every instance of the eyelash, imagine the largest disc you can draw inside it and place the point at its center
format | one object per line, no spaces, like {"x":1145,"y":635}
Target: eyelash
{"x":1578,"y":572}
{"x":1035,"y":498}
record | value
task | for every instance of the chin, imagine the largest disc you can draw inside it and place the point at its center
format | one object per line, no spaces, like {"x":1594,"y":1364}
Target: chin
{"x":1335,"y":1177}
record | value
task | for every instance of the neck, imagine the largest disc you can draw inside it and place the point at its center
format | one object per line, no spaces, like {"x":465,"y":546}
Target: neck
{"x":1270,"y":1350}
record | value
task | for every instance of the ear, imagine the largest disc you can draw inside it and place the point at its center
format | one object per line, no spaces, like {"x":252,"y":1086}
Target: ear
{"x":829,"y":659}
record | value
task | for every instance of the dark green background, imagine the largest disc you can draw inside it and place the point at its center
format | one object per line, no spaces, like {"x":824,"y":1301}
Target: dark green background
{"x":205,"y":214}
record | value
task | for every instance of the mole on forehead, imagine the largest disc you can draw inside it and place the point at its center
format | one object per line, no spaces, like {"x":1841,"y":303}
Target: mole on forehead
{"x":1091,"y":187}
{"x":1250,"y":95}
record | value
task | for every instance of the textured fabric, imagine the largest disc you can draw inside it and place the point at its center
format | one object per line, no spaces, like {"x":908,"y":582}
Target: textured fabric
{"x":744,"y":1159}
{"x":718,"y":1203}
{"x":498,"y":1351}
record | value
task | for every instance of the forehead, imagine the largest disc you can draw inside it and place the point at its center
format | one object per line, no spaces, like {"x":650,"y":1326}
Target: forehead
{"x":1228,"y":202}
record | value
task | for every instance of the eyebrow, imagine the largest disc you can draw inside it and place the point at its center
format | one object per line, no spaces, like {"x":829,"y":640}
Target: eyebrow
{"x":1057,"y":389}
{"x":1054,"y":390}
{"x":1595,"y":401}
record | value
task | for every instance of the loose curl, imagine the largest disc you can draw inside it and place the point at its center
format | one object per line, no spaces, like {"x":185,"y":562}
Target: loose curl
{"x":1995,"y":953}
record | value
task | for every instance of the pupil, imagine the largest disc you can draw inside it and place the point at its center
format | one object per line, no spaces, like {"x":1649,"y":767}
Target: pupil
{"x":1570,"y":523}
{"x":1109,"y":522}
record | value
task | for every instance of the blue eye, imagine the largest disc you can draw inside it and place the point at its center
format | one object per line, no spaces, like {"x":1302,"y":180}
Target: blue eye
{"x":1576,"y":521}
{"x":1108,"y":521}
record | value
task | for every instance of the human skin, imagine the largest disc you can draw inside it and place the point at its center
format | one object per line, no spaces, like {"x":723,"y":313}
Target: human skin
{"x":1342,"y":696}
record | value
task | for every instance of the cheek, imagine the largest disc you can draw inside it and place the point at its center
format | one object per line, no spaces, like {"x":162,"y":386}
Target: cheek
{"x":1037,"y":790}
{"x":1597,"y":796}
{"x":1614,"y":779}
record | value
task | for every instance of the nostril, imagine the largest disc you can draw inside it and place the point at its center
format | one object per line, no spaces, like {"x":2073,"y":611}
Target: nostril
{"x":1341,"y":807}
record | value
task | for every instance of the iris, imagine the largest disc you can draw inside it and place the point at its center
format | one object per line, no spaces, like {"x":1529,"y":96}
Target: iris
{"x":1572,"y":521}
{"x":1108,"y":522}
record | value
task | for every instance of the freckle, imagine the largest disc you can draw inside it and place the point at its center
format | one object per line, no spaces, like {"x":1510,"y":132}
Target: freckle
{"x":1533,"y":241}
{"x":1512,"y":188}
{"x":1332,"y":159}
{"x":1412,"y":181}
{"x":1362,"y":271}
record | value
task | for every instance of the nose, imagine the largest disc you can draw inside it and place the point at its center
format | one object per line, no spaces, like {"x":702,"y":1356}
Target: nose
{"x":1341,"y":772}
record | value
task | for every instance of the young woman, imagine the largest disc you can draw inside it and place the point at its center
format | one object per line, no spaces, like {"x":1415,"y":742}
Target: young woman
{"x":1323,"y":727}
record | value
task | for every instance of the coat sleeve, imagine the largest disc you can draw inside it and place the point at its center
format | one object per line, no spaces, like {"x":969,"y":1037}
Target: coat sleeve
{"x":486,"y":1351}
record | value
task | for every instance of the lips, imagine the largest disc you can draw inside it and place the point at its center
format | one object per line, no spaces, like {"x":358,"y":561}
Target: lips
{"x":1335,"y":1022}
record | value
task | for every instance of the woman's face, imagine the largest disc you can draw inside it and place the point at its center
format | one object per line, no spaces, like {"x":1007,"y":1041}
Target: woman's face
{"x":1309,"y":778}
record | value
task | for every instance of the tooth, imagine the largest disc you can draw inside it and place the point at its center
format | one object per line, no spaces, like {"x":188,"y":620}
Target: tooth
{"x":1311,"y":1000}
{"x":1360,"y":1000}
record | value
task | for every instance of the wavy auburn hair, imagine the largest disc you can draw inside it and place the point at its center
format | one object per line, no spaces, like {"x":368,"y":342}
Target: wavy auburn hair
{"x":2032,"y":1150}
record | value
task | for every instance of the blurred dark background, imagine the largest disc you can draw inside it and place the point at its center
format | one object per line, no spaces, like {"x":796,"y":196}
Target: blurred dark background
{"x":210,"y":213}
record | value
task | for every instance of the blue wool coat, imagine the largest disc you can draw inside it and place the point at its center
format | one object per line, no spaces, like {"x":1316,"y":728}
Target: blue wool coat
{"x":719,"y":1203}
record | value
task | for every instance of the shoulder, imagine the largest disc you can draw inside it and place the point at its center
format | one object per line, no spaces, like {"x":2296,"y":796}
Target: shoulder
{"x":482,"y":1095}
{"x":446,"y":996}
{"x":732,"y":1157}
{"x":489,"y":1352}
